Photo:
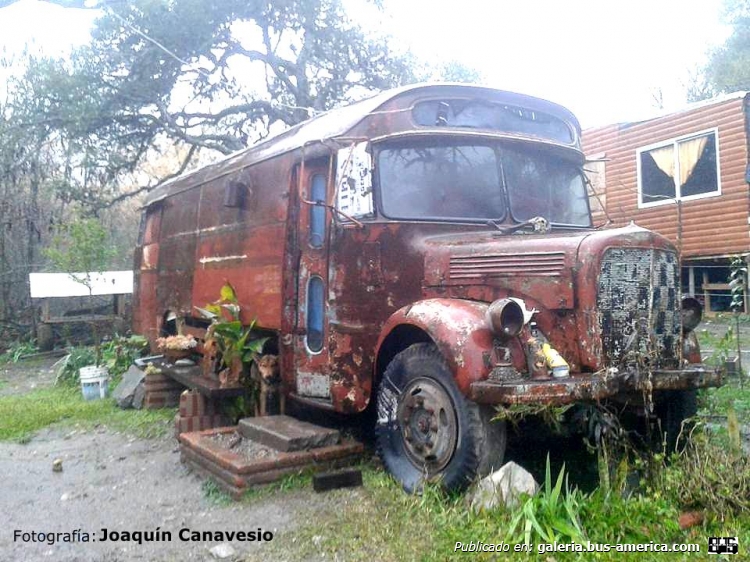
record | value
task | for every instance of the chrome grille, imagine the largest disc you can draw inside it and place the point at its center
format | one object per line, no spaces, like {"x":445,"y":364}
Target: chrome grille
{"x":639,"y":305}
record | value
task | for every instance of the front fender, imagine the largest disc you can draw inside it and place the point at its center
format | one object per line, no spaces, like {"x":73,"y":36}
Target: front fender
{"x":458,"y":328}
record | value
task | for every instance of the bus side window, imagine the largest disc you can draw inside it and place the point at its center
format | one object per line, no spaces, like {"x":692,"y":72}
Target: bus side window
{"x":317,"y":212}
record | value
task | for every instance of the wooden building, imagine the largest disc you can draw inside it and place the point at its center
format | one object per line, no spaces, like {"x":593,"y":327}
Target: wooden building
{"x":685,"y":175}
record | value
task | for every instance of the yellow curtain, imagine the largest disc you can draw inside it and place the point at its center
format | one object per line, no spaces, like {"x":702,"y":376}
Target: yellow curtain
{"x":689,"y":153}
{"x":664,"y":158}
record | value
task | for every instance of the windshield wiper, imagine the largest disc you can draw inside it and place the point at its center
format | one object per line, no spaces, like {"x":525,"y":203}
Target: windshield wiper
{"x":539,"y":224}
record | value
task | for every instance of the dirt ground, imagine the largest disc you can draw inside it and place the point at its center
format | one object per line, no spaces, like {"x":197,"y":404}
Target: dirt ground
{"x":120,"y":483}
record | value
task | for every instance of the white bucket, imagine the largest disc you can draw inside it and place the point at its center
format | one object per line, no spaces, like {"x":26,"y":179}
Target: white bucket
{"x":94,"y":382}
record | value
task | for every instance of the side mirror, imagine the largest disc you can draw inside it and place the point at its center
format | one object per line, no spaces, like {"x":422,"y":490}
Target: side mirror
{"x":354,"y":181}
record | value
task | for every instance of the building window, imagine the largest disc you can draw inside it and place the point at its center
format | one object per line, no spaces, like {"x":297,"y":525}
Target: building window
{"x":683,"y":168}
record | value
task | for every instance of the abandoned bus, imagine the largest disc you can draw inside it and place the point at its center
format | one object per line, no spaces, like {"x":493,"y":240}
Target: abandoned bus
{"x":428,"y":252}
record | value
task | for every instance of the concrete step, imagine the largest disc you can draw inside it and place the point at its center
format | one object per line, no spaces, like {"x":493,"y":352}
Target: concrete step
{"x":285,"y":433}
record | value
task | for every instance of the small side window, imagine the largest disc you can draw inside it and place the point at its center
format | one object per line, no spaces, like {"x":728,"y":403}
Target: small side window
{"x":315,"y":311}
{"x":317,"y":212}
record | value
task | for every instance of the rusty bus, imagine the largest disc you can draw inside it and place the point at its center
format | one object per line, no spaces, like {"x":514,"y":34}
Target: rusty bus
{"x":427,"y":252}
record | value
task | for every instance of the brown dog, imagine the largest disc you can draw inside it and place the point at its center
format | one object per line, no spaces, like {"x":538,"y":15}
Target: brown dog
{"x":265,"y":372}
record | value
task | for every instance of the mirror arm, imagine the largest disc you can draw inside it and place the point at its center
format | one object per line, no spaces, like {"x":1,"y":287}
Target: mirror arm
{"x":334,"y":210}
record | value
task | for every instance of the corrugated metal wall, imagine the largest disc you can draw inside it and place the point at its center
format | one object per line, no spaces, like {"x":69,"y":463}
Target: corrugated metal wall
{"x":713,"y":226}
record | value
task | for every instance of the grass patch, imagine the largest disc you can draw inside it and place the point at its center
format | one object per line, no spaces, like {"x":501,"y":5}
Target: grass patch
{"x":214,"y":494}
{"x":717,"y":401}
{"x":23,"y":415}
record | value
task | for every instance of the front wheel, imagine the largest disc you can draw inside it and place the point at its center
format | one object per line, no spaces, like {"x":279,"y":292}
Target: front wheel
{"x":427,"y":430}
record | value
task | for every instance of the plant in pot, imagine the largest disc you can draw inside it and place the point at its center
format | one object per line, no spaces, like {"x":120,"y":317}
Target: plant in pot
{"x":237,"y":345}
{"x":81,"y":249}
{"x":176,"y":347}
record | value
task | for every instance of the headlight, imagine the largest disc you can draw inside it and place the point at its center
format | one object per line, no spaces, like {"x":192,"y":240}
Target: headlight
{"x":505,"y":318}
{"x":692,"y":314}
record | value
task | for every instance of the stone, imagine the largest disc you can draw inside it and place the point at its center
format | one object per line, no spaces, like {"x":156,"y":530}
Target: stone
{"x":223,"y":550}
{"x":57,"y":465}
{"x":503,"y":487}
{"x":125,"y":391}
{"x":690,"y":519}
{"x":139,"y":395}
{"x":285,"y":433}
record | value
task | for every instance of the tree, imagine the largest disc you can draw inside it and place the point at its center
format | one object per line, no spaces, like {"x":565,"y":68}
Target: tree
{"x":209,"y":75}
{"x":728,"y":67}
{"x":81,"y":249}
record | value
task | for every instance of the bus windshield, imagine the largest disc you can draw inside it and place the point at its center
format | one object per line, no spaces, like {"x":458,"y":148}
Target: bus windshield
{"x":478,"y":183}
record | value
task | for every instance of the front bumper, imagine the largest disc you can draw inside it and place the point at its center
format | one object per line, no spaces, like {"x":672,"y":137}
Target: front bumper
{"x":592,"y":387}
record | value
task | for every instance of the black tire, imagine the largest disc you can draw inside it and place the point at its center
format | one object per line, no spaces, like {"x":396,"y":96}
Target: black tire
{"x":672,"y":408}
{"x":466,"y":443}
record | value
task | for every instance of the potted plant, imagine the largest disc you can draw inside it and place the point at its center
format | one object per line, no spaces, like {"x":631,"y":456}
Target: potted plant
{"x":81,"y":249}
{"x":176,"y":347}
{"x":237,"y":345}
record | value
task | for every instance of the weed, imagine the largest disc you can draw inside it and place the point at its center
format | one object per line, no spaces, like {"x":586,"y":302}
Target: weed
{"x":214,"y":494}
{"x":550,"y":515}
{"x":23,"y":415}
{"x":16,"y":351}
{"x":117,"y":355}
{"x":709,"y":475}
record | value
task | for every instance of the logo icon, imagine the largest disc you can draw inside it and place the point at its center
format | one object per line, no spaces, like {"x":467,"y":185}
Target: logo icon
{"x":723,"y":545}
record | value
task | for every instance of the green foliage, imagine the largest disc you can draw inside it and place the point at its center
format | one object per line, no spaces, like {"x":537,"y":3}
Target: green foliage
{"x":549,"y":516}
{"x":117,"y":355}
{"x":81,"y":247}
{"x":16,"y":351}
{"x":709,"y":475}
{"x":728,"y":68}
{"x":236,"y":343}
{"x":214,"y":493}
{"x":69,"y":366}
{"x":23,"y":415}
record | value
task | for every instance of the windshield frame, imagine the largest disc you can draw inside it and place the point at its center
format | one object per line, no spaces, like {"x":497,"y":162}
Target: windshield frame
{"x":497,"y":143}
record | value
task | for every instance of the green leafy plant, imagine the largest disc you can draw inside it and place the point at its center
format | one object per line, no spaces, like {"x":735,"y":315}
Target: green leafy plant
{"x":237,"y":344}
{"x":549,"y":516}
{"x":116,"y":354}
{"x":17,"y":351}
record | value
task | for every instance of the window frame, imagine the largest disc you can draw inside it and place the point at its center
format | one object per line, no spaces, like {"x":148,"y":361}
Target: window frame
{"x":674,"y":142}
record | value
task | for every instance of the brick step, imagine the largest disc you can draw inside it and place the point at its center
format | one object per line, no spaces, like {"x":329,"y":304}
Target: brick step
{"x":285,"y":433}
{"x":235,"y":472}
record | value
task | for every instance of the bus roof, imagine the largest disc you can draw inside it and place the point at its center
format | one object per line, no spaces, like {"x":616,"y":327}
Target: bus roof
{"x":338,"y":123}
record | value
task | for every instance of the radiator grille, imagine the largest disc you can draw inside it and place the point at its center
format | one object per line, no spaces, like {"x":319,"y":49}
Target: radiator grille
{"x":639,"y":305}
{"x":545,"y":264}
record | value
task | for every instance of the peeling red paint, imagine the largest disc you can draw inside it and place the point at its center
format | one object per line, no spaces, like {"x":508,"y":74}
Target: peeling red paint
{"x":387,"y":283}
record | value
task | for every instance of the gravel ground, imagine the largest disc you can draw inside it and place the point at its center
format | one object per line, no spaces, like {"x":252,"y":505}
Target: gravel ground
{"x":121,"y":484}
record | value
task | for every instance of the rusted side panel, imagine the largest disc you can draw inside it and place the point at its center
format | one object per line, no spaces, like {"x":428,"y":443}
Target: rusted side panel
{"x":243,"y":257}
{"x":712,"y":226}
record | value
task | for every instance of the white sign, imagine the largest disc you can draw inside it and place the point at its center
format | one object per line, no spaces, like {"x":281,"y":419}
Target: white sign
{"x":354,"y":181}
{"x":46,"y":285}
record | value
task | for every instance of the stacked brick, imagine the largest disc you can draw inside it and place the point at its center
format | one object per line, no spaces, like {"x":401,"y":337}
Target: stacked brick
{"x":197,"y":413}
{"x":161,"y":391}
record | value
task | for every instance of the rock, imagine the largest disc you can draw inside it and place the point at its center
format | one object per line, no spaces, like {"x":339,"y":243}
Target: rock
{"x":223,"y":550}
{"x":503,"y":487}
{"x":57,"y":465}
{"x":690,"y":519}
{"x":140,"y":394}
{"x":125,"y":391}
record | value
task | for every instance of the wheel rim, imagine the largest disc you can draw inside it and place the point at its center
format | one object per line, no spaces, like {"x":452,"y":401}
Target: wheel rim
{"x":428,"y":424}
